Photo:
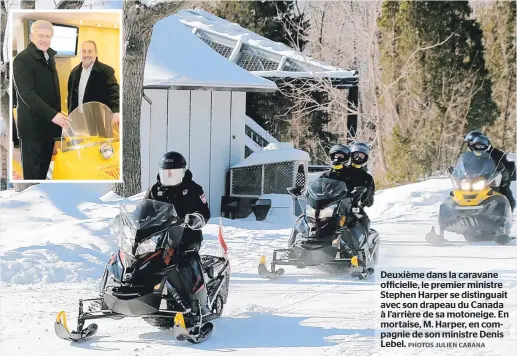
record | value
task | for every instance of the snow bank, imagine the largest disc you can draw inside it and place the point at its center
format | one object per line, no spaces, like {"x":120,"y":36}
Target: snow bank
{"x":56,"y":232}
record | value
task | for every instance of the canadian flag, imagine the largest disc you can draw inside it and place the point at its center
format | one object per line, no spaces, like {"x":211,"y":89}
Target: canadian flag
{"x":223,"y":248}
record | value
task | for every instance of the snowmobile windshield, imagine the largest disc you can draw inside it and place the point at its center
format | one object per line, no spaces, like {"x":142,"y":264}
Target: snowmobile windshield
{"x":90,"y":124}
{"x":324,"y":191}
{"x":135,"y":224}
{"x":471,"y":166}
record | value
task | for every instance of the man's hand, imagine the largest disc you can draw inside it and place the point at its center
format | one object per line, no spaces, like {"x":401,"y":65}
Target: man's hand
{"x":60,"y":120}
{"x":195,"y":221}
{"x":116,"y":118}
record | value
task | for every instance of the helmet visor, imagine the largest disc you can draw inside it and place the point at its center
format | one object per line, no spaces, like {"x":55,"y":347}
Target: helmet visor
{"x":171,"y":176}
{"x":359,"y":158}
{"x":479,"y":147}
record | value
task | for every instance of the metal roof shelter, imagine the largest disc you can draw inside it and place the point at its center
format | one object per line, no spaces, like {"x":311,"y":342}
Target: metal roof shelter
{"x":268,"y":59}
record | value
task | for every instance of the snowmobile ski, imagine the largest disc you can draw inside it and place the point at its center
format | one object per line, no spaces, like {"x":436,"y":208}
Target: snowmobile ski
{"x":265,"y":273}
{"x":365,"y":274}
{"x":61,"y":329}
{"x":181,"y":333}
{"x":434,"y":239}
{"x":504,"y":239}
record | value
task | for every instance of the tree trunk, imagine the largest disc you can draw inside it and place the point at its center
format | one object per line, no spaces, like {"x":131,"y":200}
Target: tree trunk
{"x":139,"y":21}
{"x":505,"y":122}
{"x":3,"y":164}
{"x":137,"y":37}
{"x":18,"y":187}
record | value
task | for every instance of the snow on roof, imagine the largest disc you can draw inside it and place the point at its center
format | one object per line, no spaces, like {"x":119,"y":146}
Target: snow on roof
{"x":257,"y":54}
{"x":273,"y":153}
{"x":177,"y":58}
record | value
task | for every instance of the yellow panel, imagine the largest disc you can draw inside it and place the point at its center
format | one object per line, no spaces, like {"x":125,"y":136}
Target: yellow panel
{"x":87,"y":163}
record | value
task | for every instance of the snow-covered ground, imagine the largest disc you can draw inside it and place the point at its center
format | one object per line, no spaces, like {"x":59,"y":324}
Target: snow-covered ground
{"x":55,"y":241}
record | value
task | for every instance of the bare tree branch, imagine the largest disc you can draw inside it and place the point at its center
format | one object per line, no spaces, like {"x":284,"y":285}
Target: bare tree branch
{"x":69,"y":4}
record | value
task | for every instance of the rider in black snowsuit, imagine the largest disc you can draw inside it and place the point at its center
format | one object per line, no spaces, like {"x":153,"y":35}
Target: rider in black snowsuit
{"x":497,"y":155}
{"x":175,"y":186}
{"x":347,"y":166}
{"x":482,"y":144}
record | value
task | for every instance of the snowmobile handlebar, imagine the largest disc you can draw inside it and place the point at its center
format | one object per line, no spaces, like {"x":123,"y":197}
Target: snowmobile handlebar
{"x":295,"y":191}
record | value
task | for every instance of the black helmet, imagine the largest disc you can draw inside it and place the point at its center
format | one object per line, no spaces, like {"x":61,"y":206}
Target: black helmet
{"x":471,"y":136}
{"x":360,"y":154}
{"x":480,"y":144}
{"x":338,"y":162}
{"x":171,"y":168}
{"x":172,"y":160}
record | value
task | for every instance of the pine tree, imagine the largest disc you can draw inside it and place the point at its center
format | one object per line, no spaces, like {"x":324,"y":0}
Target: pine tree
{"x":498,"y":23}
{"x":439,"y":85}
{"x":275,"y":20}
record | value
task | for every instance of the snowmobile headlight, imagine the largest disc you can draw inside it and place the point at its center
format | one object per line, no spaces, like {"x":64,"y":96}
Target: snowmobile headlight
{"x":479,"y":185}
{"x":327,"y":212}
{"x":310,"y":211}
{"x":148,"y":245}
{"x":465,"y":185}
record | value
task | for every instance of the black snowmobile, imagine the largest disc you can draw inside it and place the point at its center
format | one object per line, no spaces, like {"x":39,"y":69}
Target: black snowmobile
{"x":328,"y":233}
{"x":148,"y":272}
{"x":475,"y":208}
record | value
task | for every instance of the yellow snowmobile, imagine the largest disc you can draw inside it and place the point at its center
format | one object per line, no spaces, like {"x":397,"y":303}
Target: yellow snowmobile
{"x":475,"y":208}
{"x":89,"y":147}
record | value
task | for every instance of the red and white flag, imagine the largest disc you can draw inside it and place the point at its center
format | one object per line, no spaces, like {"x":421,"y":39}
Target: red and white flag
{"x":223,"y":248}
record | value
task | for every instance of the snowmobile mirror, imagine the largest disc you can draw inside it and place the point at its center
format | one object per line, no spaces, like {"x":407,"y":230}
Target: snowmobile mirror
{"x":261,"y":208}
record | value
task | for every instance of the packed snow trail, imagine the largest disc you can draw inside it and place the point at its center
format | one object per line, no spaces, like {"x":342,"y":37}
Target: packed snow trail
{"x":54,"y":252}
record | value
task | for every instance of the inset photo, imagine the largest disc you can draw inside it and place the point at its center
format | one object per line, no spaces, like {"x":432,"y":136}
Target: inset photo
{"x":66,"y":78}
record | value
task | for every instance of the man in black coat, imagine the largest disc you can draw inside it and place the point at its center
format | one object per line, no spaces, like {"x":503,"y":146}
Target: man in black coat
{"x":347,"y":166}
{"x":507,"y":168}
{"x":40,"y":120}
{"x":92,"y":80}
{"x":175,"y":186}
{"x":498,"y":156}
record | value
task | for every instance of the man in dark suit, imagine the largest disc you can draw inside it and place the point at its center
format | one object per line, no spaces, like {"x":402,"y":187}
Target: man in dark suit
{"x":92,"y":80}
{"x":40,"y":120}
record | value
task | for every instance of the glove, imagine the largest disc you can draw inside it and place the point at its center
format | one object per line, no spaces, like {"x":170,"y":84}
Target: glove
{"x":195,"y":221}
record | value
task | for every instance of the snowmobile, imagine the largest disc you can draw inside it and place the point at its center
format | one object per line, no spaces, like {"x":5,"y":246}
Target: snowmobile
{"x":475,"y":208}
{"x":90,"y":147}
{"x":149,"y":278}
{"x":328,"y":233}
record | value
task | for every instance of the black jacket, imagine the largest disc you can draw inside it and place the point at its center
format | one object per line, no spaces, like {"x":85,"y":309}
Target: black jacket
{"x":355,"y":177}
{"x":102,"y":86}
{"x":39,"y":99}
{"x":500,"y":158}
{"x":187,"y":197}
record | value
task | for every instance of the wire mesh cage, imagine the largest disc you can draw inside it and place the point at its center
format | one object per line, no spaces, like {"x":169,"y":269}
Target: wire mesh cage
{"x":272,"y":178}
{"x":246,"y":181}
{"x":251,"y":182}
